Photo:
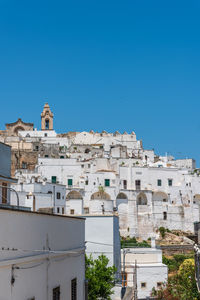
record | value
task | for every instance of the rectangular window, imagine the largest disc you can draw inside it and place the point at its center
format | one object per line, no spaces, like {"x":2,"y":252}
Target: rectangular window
{"x":58,"y":195}
{"x":86,"y":210}
{"x":74,"y":289}
{"x":82,"y":166}
{"x":70,"y":182}
{"x":164,"y":215}
{"x":137,"y":184}
{"x":58,"y":210}
{"x":53,"y":179}
{"x":56,"y":293}
{"x":71,"y":211}
{"x":169,"y":182}
{"x":46,"y":156}
{"x":4,"y":192}
{"x":24,"y":165}
{"x":125,"y":184}
{"x":86,"y":182}
{"x":63,"y":210}
{"x":143,"y":284}
{"x":107,"y":182}
{"x":159,"y":182}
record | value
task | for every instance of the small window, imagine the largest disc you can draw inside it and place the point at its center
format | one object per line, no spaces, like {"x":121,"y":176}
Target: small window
{"x":138,"y":184}
{"x":45,"y":134}
{"x":164,"y":200}
{"x":36,"y":148}
{"x":159,"y":284}
{"x":86,"y":182}
{"x":88,"y":165}
{"x":24,"y":165}
{"x":159,"y":182}
{"x":164,"y":215}
{"x":46,"y":156}
{"x":74,"y":289}
{"x":170,"y":182}
{"x":53,"y":179}
{"x":107,"y":182}
{"x":58,"y":195}
{"x":47,"y":124}
{"x":49,"y":192}
{"x":71,"y":211}
{"x":70,"y":182}
{"x":125,"y":184}
{"x":86,"y":210}
{"x":56,"y":293}
{"x":61,"y":157}
{"x":63,"y":210}
{"x":82,"y":166}
{"x":58,"y":210}
{"x":143,"y":284}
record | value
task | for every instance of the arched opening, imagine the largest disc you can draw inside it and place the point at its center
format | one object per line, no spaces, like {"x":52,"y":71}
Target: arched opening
{"x":122,"y":208}
{"x":47,"y":124}
{"x":18,"y":128}
{"x":121,"y":196}
{"x":74,"y":195}
{"x":101,"y":203}
{"x":160,"y":196}
{"x":87,"y":150}
{"x":141,"y":199}
{"x":100,"y":196}
{"x":74,"y":203}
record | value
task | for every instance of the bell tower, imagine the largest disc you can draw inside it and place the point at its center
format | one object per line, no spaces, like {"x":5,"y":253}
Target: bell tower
{"x":46,"y":118}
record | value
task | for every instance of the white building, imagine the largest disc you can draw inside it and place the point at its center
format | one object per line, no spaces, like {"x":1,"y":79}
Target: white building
{"x":42,"y":256}
{"x":145,"y":197}
{"x":40,"y":195}
{"x":144,"y":269}
{"x":106,"y":172}
{"x":102,"y":237}
{"x":5,"y":176}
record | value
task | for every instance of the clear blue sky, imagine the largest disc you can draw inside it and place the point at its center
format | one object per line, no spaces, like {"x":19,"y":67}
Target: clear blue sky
{"x":105,"y":65}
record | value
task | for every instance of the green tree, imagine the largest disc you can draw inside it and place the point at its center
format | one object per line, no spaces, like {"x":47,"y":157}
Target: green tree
{"x":101,"y":278}
{"x":181,"y":286}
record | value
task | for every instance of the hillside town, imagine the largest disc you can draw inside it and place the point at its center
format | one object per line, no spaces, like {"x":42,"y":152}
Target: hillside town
{"x":64,"y":195}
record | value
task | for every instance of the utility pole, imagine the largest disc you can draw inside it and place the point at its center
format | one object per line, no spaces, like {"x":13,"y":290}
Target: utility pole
{"x":135,"y":281}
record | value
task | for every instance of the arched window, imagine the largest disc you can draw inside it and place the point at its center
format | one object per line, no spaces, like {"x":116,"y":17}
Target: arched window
{"x":87,"y":150}
{"x":47,"y":124}
{"x":142,"y":199}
